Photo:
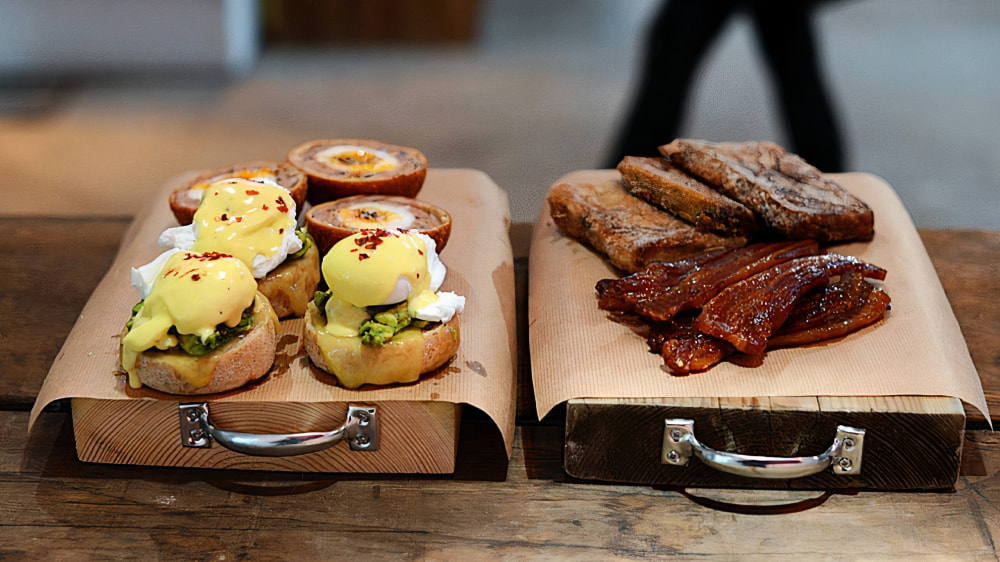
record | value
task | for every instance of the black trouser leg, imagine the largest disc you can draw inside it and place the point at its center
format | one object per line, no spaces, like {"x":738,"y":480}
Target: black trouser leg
{"x":679,"y":36}
{"x":785,"y":31}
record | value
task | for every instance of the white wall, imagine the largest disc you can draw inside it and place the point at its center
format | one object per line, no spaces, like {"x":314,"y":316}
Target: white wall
{"x":77,"y":36}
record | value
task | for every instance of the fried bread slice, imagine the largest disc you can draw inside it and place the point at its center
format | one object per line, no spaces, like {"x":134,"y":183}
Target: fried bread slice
{"x":790,"y":196}
{"x":657,"y":181}
{"x":629,"y":231}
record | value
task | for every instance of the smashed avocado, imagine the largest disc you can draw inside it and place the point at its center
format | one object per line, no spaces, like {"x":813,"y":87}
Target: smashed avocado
{"x":385,"y":323}
{"x":306,"y":242}
{"x":192,"y":344}
{"x":319,"y":299}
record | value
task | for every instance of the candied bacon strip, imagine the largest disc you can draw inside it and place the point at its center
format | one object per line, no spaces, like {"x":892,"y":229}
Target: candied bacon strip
{"x":695,"y":353}
{"x":659,"y":333}
{"x":747,"y":313}
{"x":704,"y":283}
{"x":686,"y":350}
{"x":828,"y":312}
{"x":622,"y":295}
{"x":833,"y":311}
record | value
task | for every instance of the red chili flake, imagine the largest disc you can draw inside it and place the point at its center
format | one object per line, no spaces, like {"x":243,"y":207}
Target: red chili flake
{"x":419,"y":251}
{"x":281,"y":231}
{"x":196,"y":277}
{"x":239,"y":219}
{"x":354,"y":250}
{"x":224,"y":217}
{"x":371,"y":238}
{"x":263,"y":207}
{"x":281,"y":204}
{"x":362,"y":257}
{"x":192,"y":272}
{"x":253,"y":192}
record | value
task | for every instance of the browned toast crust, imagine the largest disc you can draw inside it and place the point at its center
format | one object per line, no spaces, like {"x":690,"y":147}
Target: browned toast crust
{"x":629,"y":231}
{"x":292,"y":285}
{"x":657,"y":181}
{"x":790,"y":196}
{"x":440,"y":343}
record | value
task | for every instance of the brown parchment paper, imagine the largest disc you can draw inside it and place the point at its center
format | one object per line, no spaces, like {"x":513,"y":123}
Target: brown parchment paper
{"x":480,"y":267}
{"x":917,"y":349}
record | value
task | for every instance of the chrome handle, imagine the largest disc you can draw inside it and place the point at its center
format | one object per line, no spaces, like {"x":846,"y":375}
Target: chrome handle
{"x":197,"y":430}
{"x":844,"y":455}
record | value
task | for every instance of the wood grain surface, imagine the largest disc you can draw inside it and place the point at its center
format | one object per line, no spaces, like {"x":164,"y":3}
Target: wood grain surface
{"x":57,"y":507}
{"x":48,"y":270}
{"x":968,"y":264}
{"x":910,"y":443}
{"x":413,"y":437}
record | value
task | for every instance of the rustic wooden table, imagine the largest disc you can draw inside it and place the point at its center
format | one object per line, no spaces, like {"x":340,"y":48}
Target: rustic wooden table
{"x":55,"y":507}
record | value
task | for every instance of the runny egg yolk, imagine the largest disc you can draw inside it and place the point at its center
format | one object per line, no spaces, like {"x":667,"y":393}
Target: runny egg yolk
{"x":194,"y":292}
{"x":357,"y":160}
{"x":375,"y":267}
{"x":383,"y":215}
{"x":243,"y":218}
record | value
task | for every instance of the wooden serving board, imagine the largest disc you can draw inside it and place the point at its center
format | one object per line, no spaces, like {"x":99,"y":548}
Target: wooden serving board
{"x":911,"y":443}
{"x":904,"y":380}
{"x":414,"y":437}
{"x":417,"y":423}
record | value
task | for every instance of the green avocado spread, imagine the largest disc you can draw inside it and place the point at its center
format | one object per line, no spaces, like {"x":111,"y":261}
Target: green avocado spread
{"x":193,"y":345}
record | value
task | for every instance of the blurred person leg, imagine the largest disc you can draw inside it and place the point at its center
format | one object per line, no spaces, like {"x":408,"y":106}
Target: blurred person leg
{"x":785,"y":29}
{"x":678,"y":37}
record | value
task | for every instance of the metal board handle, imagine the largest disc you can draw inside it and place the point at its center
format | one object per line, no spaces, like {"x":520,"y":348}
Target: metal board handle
{"x":197,"y":430}
{"x":679,"y":443}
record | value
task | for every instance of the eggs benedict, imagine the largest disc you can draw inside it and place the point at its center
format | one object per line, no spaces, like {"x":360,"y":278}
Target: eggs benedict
{"x":201,"y":326}
{"x":383,"y":319}
{"x":255,"y":222}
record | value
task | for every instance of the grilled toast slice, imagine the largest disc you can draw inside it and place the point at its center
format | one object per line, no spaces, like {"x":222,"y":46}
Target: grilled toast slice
{"x":657,"y":181}
{"x":791,"y":197}
{"x":629,"y":231}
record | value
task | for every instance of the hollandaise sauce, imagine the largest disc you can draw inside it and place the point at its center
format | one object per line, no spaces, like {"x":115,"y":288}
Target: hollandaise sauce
{"x":379,"y":267}
{"x":197,"y":371}
{"x":255,"y":175}
{"x":193,"y":293}
{"x":244,"y":219}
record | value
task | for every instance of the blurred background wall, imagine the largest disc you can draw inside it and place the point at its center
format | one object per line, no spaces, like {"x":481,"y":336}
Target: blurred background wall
{"x":46,"y":38}
{"x":103,"y":101}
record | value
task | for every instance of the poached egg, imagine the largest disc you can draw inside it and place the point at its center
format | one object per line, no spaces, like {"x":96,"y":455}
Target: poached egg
{"x":385,"y":267}
{"x":191,"y":291}
{"x":250,"y":220}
